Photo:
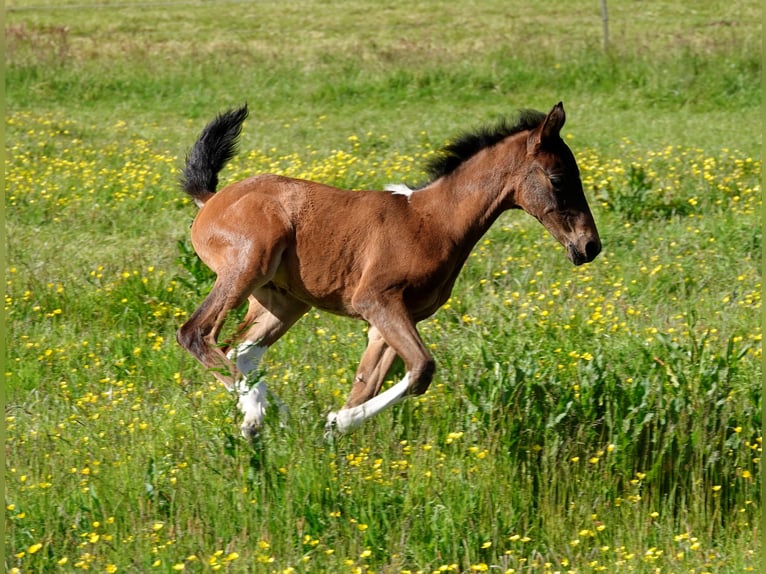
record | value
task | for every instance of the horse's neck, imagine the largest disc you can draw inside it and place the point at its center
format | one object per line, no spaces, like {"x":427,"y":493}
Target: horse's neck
{"x":465,"y":203}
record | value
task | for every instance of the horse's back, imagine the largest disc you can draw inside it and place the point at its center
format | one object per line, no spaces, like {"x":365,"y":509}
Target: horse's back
{"x":310,"y":239}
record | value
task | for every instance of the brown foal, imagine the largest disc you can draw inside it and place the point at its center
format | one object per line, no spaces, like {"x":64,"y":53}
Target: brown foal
{"x":389,"y":258}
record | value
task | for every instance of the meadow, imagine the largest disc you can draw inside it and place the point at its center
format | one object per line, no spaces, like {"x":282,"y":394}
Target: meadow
{"x":605,"y":418}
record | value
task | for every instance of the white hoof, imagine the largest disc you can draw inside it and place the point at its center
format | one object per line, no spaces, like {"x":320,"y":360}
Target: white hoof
{"x":330,"y":427}
{"x":334,"y":424}
{"x":338,"y":424}
{"x":249,"y":430}
{"x":253,"y":403}
{"x":345,"y":420}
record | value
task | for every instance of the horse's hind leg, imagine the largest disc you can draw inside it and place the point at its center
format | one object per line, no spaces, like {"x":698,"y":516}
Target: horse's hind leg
{"x":269,"y":316}
{"x":200,"y":333}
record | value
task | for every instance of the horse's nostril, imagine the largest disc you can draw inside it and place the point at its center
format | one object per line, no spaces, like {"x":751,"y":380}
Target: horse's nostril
{"x":592,"y":248}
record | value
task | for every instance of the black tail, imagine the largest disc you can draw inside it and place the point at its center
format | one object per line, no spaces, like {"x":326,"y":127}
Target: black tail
{"x":216,"y":145}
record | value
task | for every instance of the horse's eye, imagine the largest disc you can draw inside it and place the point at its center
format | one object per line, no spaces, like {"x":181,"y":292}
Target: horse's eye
{"x":557,"y":181}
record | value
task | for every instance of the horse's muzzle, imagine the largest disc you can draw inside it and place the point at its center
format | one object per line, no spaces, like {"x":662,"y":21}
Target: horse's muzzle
{"x":585,"y":254}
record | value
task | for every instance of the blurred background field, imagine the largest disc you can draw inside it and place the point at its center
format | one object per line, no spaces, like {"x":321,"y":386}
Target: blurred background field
{"x":604,"y":418}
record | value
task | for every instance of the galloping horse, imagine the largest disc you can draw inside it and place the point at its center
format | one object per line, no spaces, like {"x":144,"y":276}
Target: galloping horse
{"x":389,"y":258}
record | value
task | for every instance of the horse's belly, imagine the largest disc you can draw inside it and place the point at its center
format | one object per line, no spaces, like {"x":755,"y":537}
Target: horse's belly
{"x":324,"y":293}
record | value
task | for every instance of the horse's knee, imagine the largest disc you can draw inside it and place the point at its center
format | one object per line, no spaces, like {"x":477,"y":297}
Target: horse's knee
{"x":421,"y":376}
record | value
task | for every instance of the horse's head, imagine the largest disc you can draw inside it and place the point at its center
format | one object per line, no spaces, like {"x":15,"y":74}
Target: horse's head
{"x":551,"y":190}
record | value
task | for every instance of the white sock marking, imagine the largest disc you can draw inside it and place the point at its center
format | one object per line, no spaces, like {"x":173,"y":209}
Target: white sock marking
{"x":248,"y":356}
{"x":253,"y":400}
{"x":348,"y":419}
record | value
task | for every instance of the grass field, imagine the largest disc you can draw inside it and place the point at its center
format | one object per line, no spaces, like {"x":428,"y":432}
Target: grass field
{"x":605,"y":418}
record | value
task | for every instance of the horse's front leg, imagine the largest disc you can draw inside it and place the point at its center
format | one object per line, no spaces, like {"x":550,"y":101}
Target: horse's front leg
{"x":376,"y":362}
{"x":396,"y":327}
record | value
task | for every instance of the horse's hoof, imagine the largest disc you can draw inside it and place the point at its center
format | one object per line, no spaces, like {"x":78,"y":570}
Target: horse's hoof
{"x":331,"y":426}
{"x":341,"y":422}
{"x":250,"y":430}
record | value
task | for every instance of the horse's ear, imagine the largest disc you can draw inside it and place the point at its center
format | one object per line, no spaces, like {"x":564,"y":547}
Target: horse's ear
{"x":549,"y":129}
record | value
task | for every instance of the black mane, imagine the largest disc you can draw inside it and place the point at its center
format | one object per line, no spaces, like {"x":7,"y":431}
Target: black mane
{"x":469,"y":144}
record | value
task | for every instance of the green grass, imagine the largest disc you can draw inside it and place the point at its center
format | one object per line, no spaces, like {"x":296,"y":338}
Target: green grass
{"x":603,"y":418}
